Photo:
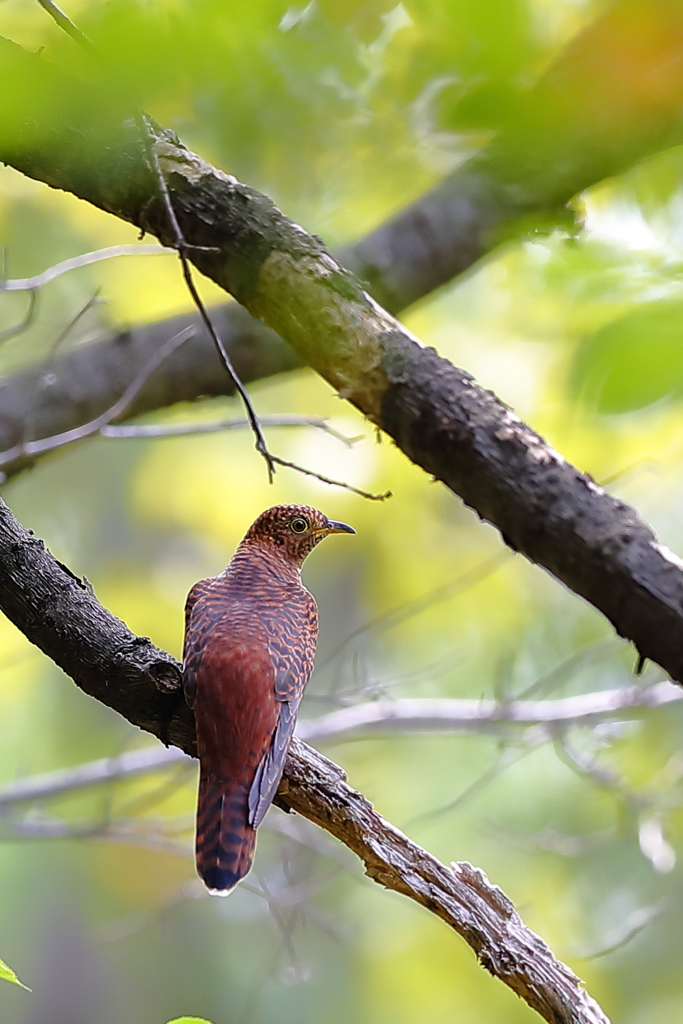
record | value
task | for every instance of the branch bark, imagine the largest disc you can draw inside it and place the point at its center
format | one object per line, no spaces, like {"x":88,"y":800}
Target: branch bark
{"x":60,"y":614}
{"x":436,"y":413}
{"x":610,"y":100}
{"x":441,"y":418}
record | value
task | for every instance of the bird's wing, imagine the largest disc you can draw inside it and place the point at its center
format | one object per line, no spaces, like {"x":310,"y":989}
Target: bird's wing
{"x":292,"y":636}
{"x":269,"y":771}
{"x":195,"y":638}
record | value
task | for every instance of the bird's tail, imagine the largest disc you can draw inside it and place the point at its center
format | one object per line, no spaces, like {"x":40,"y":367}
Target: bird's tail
{"x":225,"y":840}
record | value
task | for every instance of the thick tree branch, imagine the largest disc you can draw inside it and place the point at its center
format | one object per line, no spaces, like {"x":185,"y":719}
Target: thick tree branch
{"x":610,"y":100}
{"x":441,"y":418}
{"x":461,"y":895}
{"x":60,"y":614}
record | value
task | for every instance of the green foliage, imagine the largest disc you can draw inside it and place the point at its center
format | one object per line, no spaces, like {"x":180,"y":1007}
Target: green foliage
{"x":633,"y":360}
{"x":7,"y":974}
{"x":189,"y":1020}
{"x":342,"y":112}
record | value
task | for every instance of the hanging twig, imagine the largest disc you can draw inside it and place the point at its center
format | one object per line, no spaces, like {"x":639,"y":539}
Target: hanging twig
{"x":328,"y":480}
{"x":182,"y":248}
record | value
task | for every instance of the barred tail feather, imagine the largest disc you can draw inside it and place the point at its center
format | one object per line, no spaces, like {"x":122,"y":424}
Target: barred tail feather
{"x":225,"y":840}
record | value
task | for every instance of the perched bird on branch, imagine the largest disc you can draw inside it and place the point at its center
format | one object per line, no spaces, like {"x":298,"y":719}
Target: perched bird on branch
{"x":250,"y":637}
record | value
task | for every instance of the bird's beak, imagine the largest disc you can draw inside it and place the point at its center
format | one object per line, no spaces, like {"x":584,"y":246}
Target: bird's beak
{"x":334,"y":527}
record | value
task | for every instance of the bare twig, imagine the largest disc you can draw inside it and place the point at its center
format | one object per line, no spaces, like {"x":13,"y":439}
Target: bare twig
{"x":626,"y":930}
{"x":182,"y":248}
{"x":25,"y":322}
{"x":589,"y":767}
{"x":215,"y":426}
{"x":376,"y":718}
{"x":128,"y":765}
{"x":328,"y":480}
{"x":45,"y":444}
{"x":47,"y":361}
{"x":68,"y":26}
{"x":394,"y":616}
{"x":24,"y":284}
{"x":467,"y":716}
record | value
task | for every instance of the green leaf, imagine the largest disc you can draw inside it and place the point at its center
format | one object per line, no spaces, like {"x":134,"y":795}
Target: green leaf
{"x":633,"y":361}
{"x":189,"y":1020}
{"x":7,"y":974}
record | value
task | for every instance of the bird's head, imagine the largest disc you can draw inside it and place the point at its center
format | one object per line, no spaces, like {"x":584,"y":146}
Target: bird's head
{"x":293,"y":529}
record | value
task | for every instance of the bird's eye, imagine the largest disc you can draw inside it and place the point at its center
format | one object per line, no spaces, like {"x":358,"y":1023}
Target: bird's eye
{"x":299,"y":525}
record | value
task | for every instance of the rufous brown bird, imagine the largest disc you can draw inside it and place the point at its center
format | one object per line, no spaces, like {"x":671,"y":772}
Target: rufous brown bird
{"x":250,"y":638}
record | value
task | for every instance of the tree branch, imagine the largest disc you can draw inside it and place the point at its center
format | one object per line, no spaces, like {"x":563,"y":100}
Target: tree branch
{"x":441,"y":418}
{"x":375,"y":718}
{"x":386,"y":717}
{"x":592,"y":115}
{"x":60,"y":614}
{"x":83,"y":383}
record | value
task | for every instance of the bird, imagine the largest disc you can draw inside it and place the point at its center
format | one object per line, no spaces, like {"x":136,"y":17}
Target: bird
{"x":250,"y":639}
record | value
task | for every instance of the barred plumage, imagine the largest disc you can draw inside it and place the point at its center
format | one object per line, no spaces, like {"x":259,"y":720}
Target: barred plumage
{"x":250,"y":638}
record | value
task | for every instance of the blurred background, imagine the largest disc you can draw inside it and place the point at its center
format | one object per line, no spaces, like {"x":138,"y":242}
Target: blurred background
{"x":343,"y":113}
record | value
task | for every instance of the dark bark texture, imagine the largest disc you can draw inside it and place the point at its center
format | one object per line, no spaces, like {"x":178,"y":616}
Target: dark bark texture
{"x":444,"y":421}
{"x":543,"y":506}
{"x":616,"y":87}
{"x":60,"y":614}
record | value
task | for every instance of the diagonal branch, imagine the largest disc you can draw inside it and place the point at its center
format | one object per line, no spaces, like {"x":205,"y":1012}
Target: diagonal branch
{"x":60,"y":614}
{"x":593,"y":114}
{"x":441,"y":418}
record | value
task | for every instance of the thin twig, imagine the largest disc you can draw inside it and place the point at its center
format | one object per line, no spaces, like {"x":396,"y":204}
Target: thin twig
{"x":328,"y":480}
{"x":375,"y":718}
{"x":57,"y":344}
{"x":215,"y":426}
{"x":398,"y":614}
{"x":182,"y":248}
{"x":508,"y":757}
{"x":24,"y":284}
{"x":45,"y":444}
{"x":10,"y":332}
{"x":67,"y":25}
{"x":625,"y":931}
